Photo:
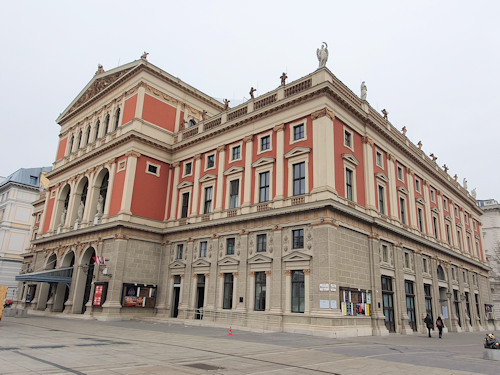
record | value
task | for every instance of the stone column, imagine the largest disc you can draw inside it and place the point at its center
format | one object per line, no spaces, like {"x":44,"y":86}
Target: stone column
{"x":400,"y":293}
{"x":128,"y":185}
{"x":369,"y":173}
{"x":413,"y":220}
{"x":280,"y":173}
{"x":196,"y":184}
{"x":111,"y":164}
{"x":276,"y":277}
{"x":242,"y":252}
{"x":140,"y":100}
{"x":419,"y":293}
{"x":428,"y":215}
{"x":288,"y":291}
{"x":376,"y":307}
{"x":221,"y":153}
{"x":212,"y":283}
{"x":185,"y":309}
{"x":452,"y":322}
{"x":247,"y":183}
{"x":174,"y":196}
{"x":323,"y":152}
{"x":163,"y":288}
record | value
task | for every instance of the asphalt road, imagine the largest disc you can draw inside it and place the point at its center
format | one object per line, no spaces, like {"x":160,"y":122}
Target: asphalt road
{"x":47,"y":345}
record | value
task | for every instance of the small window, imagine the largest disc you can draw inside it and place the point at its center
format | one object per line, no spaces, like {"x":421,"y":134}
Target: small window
{"x":417,"y":185}
{"x":435,"y":224}
{"x":385,"y":254}
{"x":381,"y":199}
{"x":265,"y":143}
{"x":203,"y":249}
{"x":185,"y":205}
{"x":192,"y":123}
{"x":299,"y":178}
{"x":459,"y":235}
{"x":453,"y":274}
{"x":348,"y":184}
{"x":456,"y":211}
{"x":261,"y":243}
{"x":234,"y":187}
{"x":407,"y":260}
{"x":180,"y":247}
{"x":188,"y":168}
{"x":263,"y":187}
{"x":236,"y":153}
{"x":152,"y":168}
{"x":347,"y":138}
{"x":448,"y":233}
{"x":400,"y":174}
{"x":425,"y":265}
{"x":298,"y":239}
{"x":208,"y":200}
{"x":210,"y":161}
{"x":433,"y":195}
{"x":474,"y":224}
{"x":298,"y":132}
{"x":402,"y":208}
{"x":230,"y":246}
{"x":466,"y":216}
{"x":33,"y":180}
{"x":379,"y":159}
{"x":445,"y":204}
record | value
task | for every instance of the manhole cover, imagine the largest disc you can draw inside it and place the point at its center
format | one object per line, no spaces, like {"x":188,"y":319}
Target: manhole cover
{"x":204,"y":366}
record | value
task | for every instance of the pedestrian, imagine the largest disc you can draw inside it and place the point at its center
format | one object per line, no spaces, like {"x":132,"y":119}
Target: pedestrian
{"x":428,"y":323}
{"x":440,"y":325}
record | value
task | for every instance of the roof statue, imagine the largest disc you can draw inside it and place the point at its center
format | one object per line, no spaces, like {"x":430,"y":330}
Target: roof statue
{"x":419,"y":144}
{"x":100,"y":69}
{"x":434,"y":157}
{"x":465,"y":183}
{"x":226,"y":104}
{"x":144,"y":56}
{"x":283,"y":79}
{"x":252,"y":90}
{"x":403,"y":130}
{"x":385,"y":113}
{"x":473,"y":193}
{"x":322,"y":55}
{"x":363,"y":90}
{"x":445,"y":167}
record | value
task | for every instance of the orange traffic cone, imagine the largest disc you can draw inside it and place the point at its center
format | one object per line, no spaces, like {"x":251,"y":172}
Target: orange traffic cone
{"x":230,"y":331}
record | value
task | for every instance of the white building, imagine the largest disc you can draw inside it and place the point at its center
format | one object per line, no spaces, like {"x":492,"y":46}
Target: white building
{"x":17,"y":193}
{"x":491,"y":233}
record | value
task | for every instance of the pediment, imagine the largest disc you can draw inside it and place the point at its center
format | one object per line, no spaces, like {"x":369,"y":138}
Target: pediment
{"x":403,"y":190}
{"x":234,"y":169}
{"x":297,"y":151}
{"x":202,"y":262}
{"x":381,"y":176}
{"x":351,"y":159}
{"x":176,"y":265}
{"x":259,"y":259}
{"x":468,"y":230}
{"x":435,"y":210}
{"x":296,"y":256}
{"x":228,"y":261}
{"x":420,"y":200}
{"x":185,"y":184}
{"x":208,"y":177}
{"x":447,"y":217}
{"x":101,"y":82}
{"x":263,"y":161}
{"x":459,"y":225}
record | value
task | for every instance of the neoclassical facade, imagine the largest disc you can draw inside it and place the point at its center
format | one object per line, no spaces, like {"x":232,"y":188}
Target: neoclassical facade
{"x":300,"y":210}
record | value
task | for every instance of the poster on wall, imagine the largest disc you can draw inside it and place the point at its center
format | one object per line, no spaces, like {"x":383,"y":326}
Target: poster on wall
{"x":100,"y":292}
{"x":444,"y":309}
{"x":139,"y":295}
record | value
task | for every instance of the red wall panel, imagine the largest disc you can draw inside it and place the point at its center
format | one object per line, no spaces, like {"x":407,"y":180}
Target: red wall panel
{"x":129,"y":110}
{"x":158,"y":113}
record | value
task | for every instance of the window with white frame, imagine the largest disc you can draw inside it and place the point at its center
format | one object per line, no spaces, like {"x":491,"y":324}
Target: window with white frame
{"x":448,"y":233}
{"x":417,"y":185}
{"x":385,"y":254}
{"x":436,"y":228}
{"x":400,"y":174}
{"x":299,"y":178}
{"x":210,"y":163}
{"x":425,"y":266}
{"x":348,"y":184}
{"x":180,"y":248}
{"x":381,"y":199}
{"x":298,"y":239}
{"x":402,"y":210}
{"x":298,"y":132}
{"x":153,"y":169}
{"x":459,"y":235}
{"x":265,"y":143}
{"x":264,"y":186}
{"x":433,"y":195}
{"x":185,"y":205}
{"x":230,"y":246}
{"x":348,"y":139}
{"x":203,"y":249}
{"x":236,"y":153}
{"x":445,"y":204}
{"x":407,"y":260}
{"x":207,"y":208}
{"x":188,"y":168}
{"x":379,"y":159}
{"x":234,"y":190}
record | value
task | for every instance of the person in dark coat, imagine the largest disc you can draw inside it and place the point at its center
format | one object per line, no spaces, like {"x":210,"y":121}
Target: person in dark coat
{"x":440,"y":325}
{"x":428,"y":323}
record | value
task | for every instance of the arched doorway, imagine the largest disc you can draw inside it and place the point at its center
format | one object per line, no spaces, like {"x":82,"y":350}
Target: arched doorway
{"x":83,"y":281}
{"x":47,"y":289}
{"x":62,"y":292}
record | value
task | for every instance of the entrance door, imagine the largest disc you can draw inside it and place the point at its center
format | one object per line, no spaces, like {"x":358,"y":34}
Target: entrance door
{"x":410,"y":304}
{"x":200,"y":296}
{"x":176,"y":296}
{"x":387,"y":298}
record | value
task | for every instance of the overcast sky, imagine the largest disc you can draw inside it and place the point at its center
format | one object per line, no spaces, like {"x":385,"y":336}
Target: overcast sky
{"x":434,"y":65}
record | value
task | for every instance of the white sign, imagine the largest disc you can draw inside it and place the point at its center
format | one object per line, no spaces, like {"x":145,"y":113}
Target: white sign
{"x":324,"y":287}
{"x":445,"y":311}
{"x":333,"y":303}
{"x":333,"y":287}
{"x":324,"y":304}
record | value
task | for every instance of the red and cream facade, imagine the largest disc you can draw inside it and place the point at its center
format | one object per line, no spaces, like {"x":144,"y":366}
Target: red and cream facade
{"x":300,"y":210}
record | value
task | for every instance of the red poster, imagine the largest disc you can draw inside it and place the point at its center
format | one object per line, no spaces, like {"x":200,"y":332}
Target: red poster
{"x":98,"y":295}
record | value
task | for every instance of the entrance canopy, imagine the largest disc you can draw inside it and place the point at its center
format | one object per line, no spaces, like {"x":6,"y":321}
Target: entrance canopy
{"x":60,"y":275}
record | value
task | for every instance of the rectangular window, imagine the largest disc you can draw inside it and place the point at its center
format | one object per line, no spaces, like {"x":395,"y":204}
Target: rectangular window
{"x":185,"y":205}
{"x":469,"y":244}
{"x":348,"y":184}
{"x":435,"y":224}
{"x":265,"y":143}
{"x":210,"y":161}
{"x":208,"y":200}
{"x":354,"y":302}
{"x":385,"y":254}
{"x":180,"y":247}
{"x":428,"y":300}
{"x":298,"y":239}
{"x":234,"y":187}
{"x":228,"y":291}
{"x":230,"y":246}
{"x":459,"y":235}
{"x":400,"y":173}
{"x":453,"y":275}
{"x":187,"y":169}
{"x":263,"y":187}
{"x":203,"y":249}
{"x":298,"y":132}
{"x":466,"y":216}
{"x":445,"y":204}
{"x":424,"y":265}
{"x":474,"y":224}
{"x":420,"y":215}
{"x":299,"y":178}
{"x":347,"y":139}
{"x":381,"y":199}
{"x":152,"y":168}
{"x":34,"y":180}
{"x":402,"y":208}
{"x":417,"y":185}
{"x":236,"y":153}
{"x":261,"y":243}
{"x":379,"y":159}
{"x":433,"y":196}
{"x":407,"y":260}
{"x":448,"y":233}
{"x":260,"y":291}
{"x":298,"y":292}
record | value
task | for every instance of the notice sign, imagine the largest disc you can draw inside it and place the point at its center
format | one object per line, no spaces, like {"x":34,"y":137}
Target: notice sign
{"x":324,"y":287}
{"x":324,"y":304}
{"x":98,"y":295}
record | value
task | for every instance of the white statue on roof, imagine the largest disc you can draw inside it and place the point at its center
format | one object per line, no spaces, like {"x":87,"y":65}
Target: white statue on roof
{"x":322,"y":55}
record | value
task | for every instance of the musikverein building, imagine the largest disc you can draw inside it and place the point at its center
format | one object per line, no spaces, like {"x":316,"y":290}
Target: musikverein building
{"x":300,"y":210}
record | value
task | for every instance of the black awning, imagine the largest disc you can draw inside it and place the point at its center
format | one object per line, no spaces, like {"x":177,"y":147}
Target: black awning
{"x":60,"y":275}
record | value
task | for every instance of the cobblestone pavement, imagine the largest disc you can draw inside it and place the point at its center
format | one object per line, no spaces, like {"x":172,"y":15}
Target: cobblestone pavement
{"x":48,"y":345}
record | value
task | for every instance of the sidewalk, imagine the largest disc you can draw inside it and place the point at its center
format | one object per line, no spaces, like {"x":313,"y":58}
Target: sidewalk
{"x":43,"y":345}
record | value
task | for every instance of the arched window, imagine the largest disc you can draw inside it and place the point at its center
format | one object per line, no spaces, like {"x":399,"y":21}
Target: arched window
{"x":79,"y":140}
{"x":87,"y":138}
{"x":70,"y":145}
{"x":106,"y":125}
{"x":97,"y":125}
{"x":440,"y":273}
{"x":84,"y":193}
{"x":192,"y":123}
{"x":117,"y":118}
{"x":104,"y":188}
